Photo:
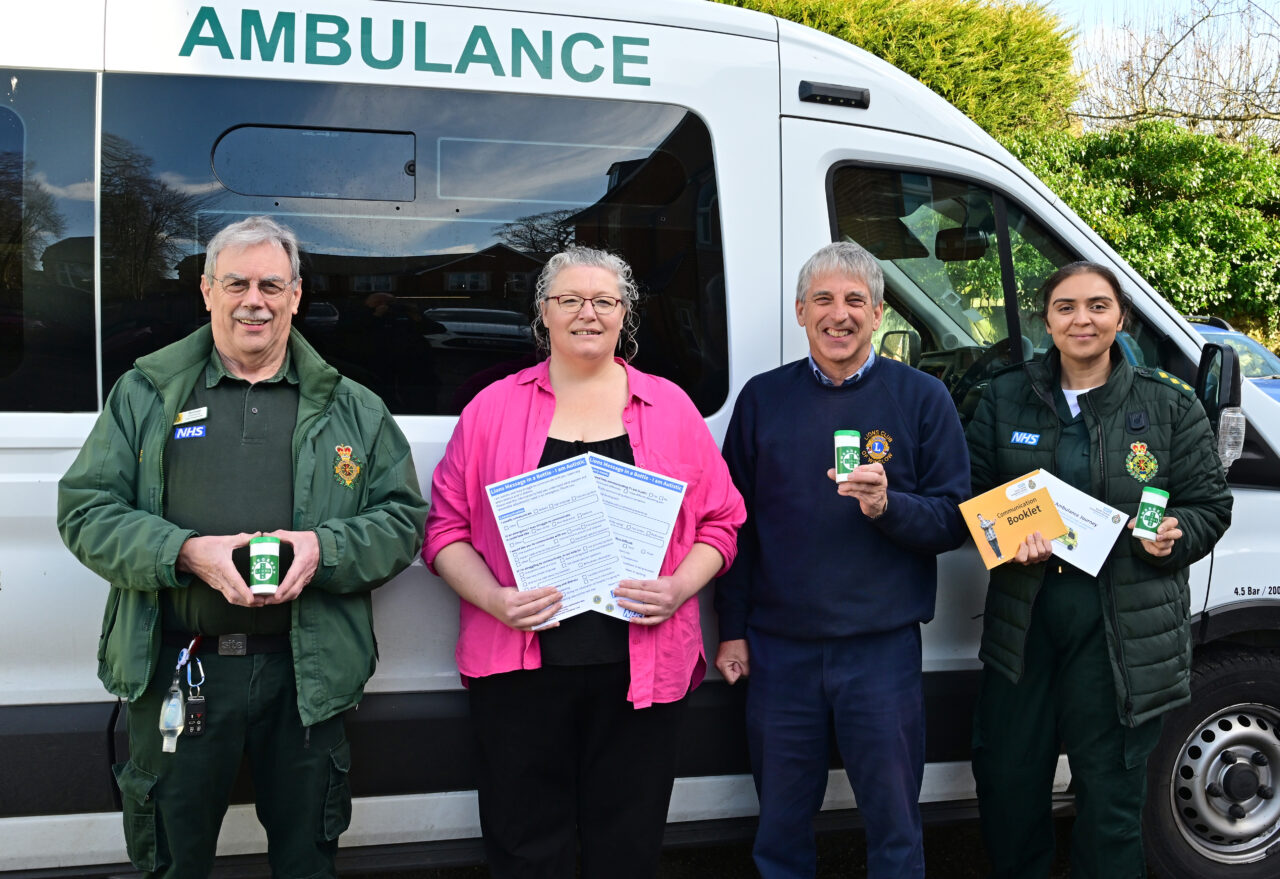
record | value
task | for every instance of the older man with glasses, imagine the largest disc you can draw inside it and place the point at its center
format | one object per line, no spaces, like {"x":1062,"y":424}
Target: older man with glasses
{"x":237,"y":430}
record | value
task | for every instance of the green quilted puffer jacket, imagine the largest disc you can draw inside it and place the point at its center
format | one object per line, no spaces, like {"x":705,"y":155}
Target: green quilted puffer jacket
{"x":1138,"y":415}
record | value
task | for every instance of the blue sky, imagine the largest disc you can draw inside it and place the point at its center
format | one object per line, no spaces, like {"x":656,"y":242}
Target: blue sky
{"x":1087,"y":14}
{"x":1104,"y":20}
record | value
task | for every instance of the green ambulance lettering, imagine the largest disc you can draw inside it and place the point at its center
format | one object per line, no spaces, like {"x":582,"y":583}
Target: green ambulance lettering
{"x":480,"y":37}
{"x":336,"y":38}
{"x":566,"y":57}
{"x":420,"y":61}
{"x":620,"y":57}
{"x":252,"y":28}
{"x":327,"y":43}
{"x":366,"y":45}
{"x":521,"y":44}
{"x":207,"y":16}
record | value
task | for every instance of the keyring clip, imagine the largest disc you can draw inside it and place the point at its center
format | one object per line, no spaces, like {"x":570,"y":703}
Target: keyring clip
{"x":199,"y":666}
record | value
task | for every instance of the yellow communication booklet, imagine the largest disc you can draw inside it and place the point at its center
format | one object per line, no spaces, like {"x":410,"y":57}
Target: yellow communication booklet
{"x":1001,"y":519}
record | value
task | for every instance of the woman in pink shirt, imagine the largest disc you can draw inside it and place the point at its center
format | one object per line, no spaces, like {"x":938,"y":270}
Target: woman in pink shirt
{"x":578,"y":722}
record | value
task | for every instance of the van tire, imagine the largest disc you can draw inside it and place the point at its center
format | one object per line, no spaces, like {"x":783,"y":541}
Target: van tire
{"x":1192,"y":786}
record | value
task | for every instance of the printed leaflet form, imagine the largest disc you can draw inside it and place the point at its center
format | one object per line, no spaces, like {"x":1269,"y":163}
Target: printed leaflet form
{"x":642,"y":509}
{"x":1092,"y":526}
{"x":556,"y":533}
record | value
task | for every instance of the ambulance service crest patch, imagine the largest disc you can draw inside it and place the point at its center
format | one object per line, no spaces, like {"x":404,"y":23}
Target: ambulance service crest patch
{"x":1141,"y":464}
{"x":346,"y":467}
{"x":877,"y":444}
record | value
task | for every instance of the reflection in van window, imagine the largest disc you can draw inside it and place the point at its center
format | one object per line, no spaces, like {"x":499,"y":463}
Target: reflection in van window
{"x":316,"y":163}
{"x":11,"y":161}
{"x":427,"y":298}
{"x":937,"y":240}
{"x":46,"y":242}
{"x":569,"y":173}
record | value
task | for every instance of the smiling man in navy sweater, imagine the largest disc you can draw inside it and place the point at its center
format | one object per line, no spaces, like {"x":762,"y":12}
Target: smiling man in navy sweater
{"x":823,"y":610}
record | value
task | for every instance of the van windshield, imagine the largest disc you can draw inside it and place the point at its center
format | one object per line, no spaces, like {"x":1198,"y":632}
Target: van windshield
{"x":937,"y":239}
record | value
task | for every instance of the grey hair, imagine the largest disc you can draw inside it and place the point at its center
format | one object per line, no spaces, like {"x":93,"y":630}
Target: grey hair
{"x":250,"y":232}
{"x":847,"y":259}
{"x":589,"y":257}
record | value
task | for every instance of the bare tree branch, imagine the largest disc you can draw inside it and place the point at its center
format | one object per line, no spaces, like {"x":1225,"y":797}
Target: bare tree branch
{"x":1215,"y":68}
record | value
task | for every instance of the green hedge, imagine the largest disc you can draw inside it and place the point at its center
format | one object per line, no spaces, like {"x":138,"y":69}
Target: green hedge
{"x":1007,"y":66}
{"x":1199,"y":218}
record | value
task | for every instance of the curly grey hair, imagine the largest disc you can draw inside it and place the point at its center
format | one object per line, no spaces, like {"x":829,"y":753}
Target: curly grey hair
{"x":844,"y":258}
{"x":590,"y":257}
{"x":249,"y":232}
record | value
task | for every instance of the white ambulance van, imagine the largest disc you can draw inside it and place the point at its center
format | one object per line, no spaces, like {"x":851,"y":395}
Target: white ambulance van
{"x":431,"y":156}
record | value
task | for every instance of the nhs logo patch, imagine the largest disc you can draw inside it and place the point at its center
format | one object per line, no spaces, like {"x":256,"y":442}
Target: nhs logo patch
{"x":188,"y":431}
{"x":1022,"y":438}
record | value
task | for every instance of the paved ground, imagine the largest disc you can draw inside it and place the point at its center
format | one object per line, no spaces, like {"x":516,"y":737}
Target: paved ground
{"x":952,"y":852}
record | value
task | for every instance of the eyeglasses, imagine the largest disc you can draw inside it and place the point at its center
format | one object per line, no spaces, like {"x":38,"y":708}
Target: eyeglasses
{"x":271,"y":288}
{"x":599,"y":304}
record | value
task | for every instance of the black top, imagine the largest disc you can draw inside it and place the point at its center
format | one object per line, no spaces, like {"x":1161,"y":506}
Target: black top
{"x":228,"y":470}
{"x":589,"y":638}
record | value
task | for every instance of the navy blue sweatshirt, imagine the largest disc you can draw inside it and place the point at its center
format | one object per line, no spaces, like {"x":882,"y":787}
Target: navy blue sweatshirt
{"x":810,"y":564}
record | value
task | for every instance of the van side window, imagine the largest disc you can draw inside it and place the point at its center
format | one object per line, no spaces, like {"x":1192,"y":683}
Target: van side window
{"x":425,"y":217}
{"x":937,"y":239}
{"x":47,"y":361}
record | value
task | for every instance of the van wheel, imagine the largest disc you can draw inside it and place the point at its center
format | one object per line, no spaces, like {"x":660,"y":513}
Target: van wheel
{"x":1213,"y":799}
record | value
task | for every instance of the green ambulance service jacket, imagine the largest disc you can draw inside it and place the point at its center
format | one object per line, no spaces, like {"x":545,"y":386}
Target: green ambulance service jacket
{"x":1145,"y":428}
{"x":111,"y":504}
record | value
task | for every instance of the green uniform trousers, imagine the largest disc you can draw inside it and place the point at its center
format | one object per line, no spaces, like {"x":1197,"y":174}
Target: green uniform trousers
{"x":174,"y":803}
{"x":1065,"y":699}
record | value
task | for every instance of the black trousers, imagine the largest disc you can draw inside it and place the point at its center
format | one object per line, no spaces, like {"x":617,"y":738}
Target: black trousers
{"x":174,"y":803}
{"x":1066,"y":697}
{"x":566,"y":764}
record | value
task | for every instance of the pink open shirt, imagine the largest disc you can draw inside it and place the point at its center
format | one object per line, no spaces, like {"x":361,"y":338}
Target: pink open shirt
{"x":500,"y":434}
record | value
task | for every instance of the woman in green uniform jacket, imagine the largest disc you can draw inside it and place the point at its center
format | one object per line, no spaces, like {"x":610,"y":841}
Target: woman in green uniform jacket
{"x":1070,"y":660}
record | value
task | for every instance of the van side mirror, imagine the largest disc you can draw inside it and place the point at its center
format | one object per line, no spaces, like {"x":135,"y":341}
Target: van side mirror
{"x":1218,"y":389}
{"x":901,"y":345}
